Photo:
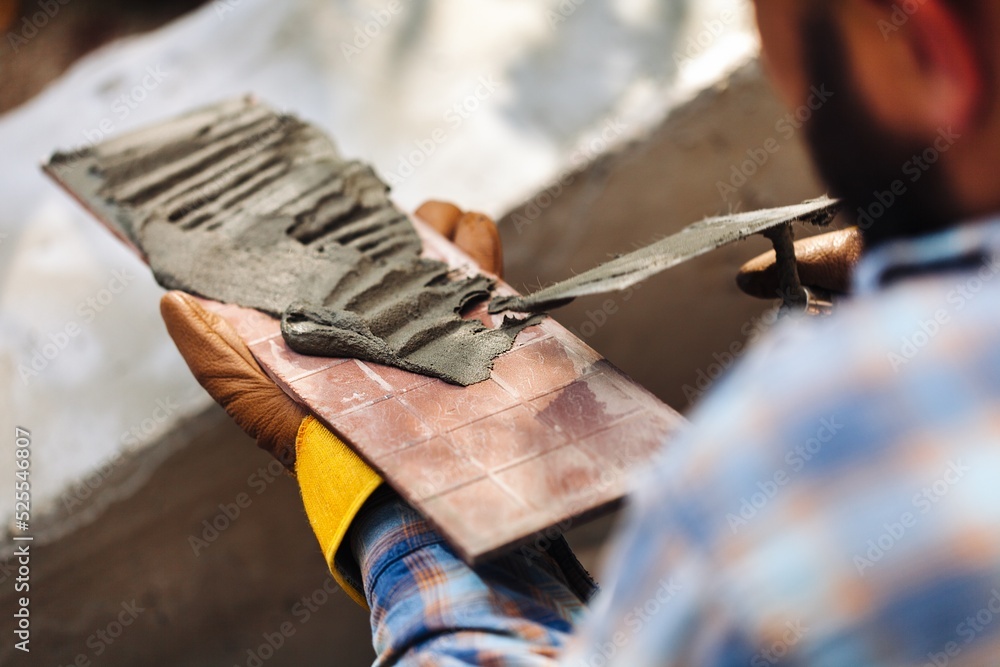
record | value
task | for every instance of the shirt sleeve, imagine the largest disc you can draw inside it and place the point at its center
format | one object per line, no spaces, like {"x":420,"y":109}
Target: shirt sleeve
{"x":430,"y":608}
{"x":662,"y":605}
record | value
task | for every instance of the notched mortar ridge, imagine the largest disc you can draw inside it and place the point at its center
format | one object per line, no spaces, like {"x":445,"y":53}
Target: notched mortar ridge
{"x":237,"y":203}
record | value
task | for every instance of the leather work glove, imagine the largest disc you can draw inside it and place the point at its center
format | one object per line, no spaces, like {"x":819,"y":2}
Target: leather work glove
{"x":474,"y":233}
{"x":224,"y":366}
{"x":825,"y":262}
{"x":333,"y":480}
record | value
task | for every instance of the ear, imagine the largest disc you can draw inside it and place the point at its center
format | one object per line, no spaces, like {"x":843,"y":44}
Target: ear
{"x":917,"y":71}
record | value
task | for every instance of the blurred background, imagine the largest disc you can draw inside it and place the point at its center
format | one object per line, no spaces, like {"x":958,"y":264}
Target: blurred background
{"x":586,"y":128}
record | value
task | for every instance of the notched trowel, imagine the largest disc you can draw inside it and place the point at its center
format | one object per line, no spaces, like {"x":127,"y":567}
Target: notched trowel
{"x":693,"y":241}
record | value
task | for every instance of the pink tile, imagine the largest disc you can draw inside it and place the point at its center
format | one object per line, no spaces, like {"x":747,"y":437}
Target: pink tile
{"x":631,"y":443}
{"x":553,"y":480}
{"x":626,"y":448}
{"x":553,"y":328}
{"x":446,"y":407}
{"x":396,"y":380}
{"x":216,"y":306}
{"x":252,"y":325}
{"x":540,"y":367}
{"x":255,"y":326}
{"x":485,"y":513}
{"x":287,"y":364}
{"x":505,"y":438}
{"x":642,"y":397}
{"x":530,"y":335}
{"x":481,"y":313}
{"x":586,"y":406}
{"x":383,"y":428}
{"x":338,"y":390}
{"x":429,"y":468}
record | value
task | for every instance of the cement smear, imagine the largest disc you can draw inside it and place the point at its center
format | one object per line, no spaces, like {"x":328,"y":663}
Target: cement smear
{"x":240,"y":204}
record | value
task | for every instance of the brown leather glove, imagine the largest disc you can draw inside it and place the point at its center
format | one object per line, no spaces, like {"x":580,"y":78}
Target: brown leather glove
{"x":223,"y":364}
{"x":9,"y":10}
{"x":825,"y":262}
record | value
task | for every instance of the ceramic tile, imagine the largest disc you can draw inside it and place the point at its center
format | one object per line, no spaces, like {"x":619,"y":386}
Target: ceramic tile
{"x":338,"y":390}
{"x":383,"y":428}
{"x":586,"y":406}
{"x":398,"y":381}
{"x":477,"y":509}
{"x":430,"y":468}
{"x":506,"y":438}
{"x":538,"y":368}
{"x":288,"y":365}
{"x":447,"y":407}
{"x":554,"y":479}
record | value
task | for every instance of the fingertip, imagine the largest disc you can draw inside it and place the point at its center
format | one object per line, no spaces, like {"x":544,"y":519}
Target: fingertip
{"x":477,"y":235}
{"x":176,"y":305}
{"x":759,"y":277}
{"x":171,"y":301}
{"x":182,"y":313}
{"x":172,"y":305}
{"x":441,"y":215}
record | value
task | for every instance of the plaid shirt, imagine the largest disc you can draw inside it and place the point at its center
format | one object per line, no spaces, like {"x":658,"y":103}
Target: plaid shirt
{"x":836,"y":501}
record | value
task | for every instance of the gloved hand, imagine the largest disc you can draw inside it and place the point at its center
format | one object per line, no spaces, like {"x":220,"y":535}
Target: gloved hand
{"x":474,"y":233}
{"x":224,"y":366}
{"x":825,"y":262}
{"x":334,"y":482}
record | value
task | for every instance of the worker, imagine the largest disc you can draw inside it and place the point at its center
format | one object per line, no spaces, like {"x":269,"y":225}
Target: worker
{"x":836,"y":498}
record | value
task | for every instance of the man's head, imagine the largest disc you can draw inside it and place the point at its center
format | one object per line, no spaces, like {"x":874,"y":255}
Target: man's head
{"x":909,"y":133}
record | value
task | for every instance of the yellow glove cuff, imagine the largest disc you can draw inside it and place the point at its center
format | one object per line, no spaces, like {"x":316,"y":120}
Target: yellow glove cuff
{"x":334,"y":483}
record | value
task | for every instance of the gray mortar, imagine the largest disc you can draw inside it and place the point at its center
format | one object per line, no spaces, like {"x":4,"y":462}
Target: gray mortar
{"x":242,"y":205}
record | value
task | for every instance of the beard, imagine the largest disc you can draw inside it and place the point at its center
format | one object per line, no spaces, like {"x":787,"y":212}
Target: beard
{"x":882,"y":178}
